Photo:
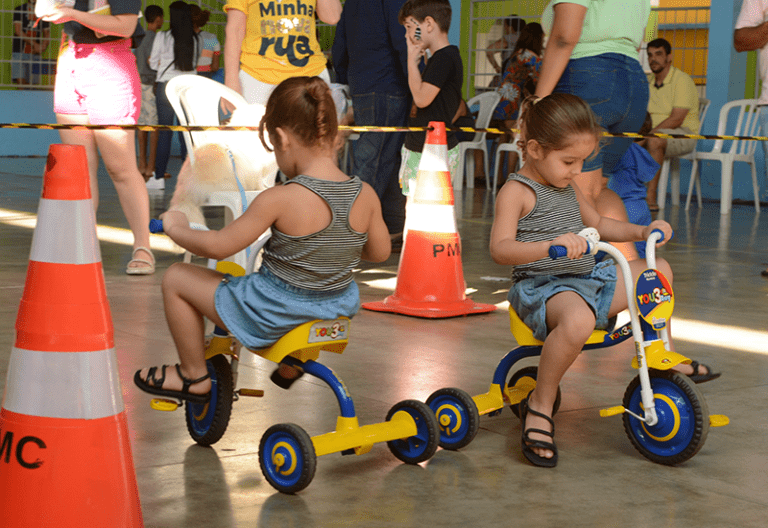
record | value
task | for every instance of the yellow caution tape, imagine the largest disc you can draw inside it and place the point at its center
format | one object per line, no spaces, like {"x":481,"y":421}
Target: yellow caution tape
{"x":499,"y":131}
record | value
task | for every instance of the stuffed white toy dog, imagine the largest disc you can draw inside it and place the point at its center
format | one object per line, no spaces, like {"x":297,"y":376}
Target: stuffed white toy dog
{"x":215,"y":170}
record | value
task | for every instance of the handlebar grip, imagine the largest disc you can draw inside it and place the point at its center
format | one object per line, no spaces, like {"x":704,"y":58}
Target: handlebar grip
{"x":556,"y":252}
{"x":660,"y":232}
{"x":155,"y":226}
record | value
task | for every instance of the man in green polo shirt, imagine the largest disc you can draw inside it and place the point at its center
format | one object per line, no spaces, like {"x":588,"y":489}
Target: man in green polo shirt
{"x":674,"y":109}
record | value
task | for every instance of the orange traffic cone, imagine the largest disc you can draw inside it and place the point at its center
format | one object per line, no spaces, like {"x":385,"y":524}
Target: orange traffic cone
{"x":65,"y":455}
{"x":430,"y":279}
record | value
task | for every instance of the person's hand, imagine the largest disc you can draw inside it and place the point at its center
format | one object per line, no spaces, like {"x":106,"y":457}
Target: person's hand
{"x":60,"y":14}
{"x":662,"y":226}
{"x":573,"y":243}
{"x":173,"y":219}
{"x":415,"y":49}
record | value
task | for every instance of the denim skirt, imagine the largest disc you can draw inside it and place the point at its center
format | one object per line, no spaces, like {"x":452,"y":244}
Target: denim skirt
{"x":529,"y":297}
{"x":260,"y":308}
{"x":616,"y":89}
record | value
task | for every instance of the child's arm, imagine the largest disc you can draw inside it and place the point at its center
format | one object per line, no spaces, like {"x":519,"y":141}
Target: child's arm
{"x":617,"y":231}
{"x":234,"y":237}
{"x":379,"y":244}
{"x":514,"y":201}
{"x":423,"y":93}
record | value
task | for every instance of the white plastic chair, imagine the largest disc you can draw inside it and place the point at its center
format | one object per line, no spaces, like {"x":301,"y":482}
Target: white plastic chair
{"x":672,"y":165}
{"x":487,"y":102}
{"x":747,"y":123}
{"x":196,"y":100}
{"x":505,"y":147}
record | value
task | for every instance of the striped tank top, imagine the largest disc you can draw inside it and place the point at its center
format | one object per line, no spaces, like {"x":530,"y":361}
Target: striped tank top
{"x":556,"y":212}
{"x":321,"y":261}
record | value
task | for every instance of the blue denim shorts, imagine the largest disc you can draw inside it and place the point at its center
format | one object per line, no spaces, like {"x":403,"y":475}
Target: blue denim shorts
{"x":259,"y":308}
{"x":529,"y":297}
{"x":616,"y":89}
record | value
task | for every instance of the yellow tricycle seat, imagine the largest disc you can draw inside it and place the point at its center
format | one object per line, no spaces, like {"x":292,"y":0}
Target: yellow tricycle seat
{"x":524,"y":335}
{"x":306,"y":341}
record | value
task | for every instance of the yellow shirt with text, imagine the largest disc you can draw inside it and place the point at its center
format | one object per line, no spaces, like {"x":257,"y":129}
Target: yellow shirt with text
{"x":280,"y":40}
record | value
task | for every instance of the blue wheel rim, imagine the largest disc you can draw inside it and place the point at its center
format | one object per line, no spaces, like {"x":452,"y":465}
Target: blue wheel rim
{"x":201,"y":416}
{"x":282,"y":459}
{"x":452,"y":418}
{"x":677,"y":421}
{"x":414,"y":446}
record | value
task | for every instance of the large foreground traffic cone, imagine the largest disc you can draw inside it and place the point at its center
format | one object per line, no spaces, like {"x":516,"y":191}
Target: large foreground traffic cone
{"x":65,"y":456}
{"x":430,"y":279}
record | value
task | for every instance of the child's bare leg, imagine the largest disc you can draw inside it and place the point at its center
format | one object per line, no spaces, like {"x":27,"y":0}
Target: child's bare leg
{"x":188,"y":296}
{"x":571,"y":322}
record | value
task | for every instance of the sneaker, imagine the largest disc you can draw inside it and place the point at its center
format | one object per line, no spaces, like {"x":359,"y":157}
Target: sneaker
{"x":156,"y":184}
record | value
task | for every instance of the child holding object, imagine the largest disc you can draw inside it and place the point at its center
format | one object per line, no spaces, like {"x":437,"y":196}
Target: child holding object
{"x":563,"y":300}
{"x":437,"y":90}
{"x":323,"y":222}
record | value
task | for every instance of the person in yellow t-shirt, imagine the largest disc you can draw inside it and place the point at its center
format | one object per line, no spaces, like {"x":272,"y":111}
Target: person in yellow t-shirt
{"x":268,"y":41}
{"x":674,"y":109}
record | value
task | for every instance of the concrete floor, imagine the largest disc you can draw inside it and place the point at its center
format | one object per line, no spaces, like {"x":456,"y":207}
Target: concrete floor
{"x":600,"y":481}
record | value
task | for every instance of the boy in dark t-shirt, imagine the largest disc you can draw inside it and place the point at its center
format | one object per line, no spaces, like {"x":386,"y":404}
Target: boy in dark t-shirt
{"x":437,"y":90}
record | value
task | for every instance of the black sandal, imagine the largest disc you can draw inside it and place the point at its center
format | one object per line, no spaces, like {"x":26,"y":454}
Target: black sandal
{"x":702,"y":378}
{"x":528,"y":445}
{"x":154,"y":385}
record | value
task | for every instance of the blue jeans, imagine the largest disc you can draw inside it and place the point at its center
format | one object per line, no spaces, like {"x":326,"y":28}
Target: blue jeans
{"x":165,"y":116}
{"x":376,"y":155}
{"x":616,"y":88}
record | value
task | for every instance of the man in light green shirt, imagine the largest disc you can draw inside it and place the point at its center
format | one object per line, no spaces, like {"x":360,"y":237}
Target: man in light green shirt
{"x":674,"y":109}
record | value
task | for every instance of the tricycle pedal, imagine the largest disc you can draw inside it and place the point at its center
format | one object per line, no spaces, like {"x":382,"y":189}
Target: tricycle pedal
{"x":162,"y":404}
{"x":255,"y":393}
{"x":718,"y":420}
{"x":350,"y":451}
{"x":612,"y":411}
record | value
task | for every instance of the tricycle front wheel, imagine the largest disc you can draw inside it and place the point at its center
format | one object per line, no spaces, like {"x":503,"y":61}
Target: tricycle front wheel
{"x":683,"y":418}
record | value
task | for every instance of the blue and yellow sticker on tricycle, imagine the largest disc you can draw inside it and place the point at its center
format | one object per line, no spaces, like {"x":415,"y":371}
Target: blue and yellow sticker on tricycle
{"x":654,"y":298}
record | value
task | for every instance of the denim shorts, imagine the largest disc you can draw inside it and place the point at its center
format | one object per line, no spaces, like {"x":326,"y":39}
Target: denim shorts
{"x":259,"y":308}
{"x":616,"y":89}
{"x":529,"y":297}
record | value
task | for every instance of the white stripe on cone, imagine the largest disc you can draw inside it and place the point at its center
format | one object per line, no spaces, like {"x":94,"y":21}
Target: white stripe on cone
{"x":76,"y":244}
{"x":82,"y":385}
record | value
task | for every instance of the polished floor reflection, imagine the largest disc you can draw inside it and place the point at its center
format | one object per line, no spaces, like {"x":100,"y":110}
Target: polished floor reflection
{"x":601,"y":480}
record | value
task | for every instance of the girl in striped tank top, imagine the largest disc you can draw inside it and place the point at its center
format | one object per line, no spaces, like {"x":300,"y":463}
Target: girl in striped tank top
{"x":323,"y":223}
{"x":561,"y":301}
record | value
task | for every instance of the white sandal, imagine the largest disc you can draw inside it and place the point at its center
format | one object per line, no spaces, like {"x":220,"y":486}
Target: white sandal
{"x":142,"y":270}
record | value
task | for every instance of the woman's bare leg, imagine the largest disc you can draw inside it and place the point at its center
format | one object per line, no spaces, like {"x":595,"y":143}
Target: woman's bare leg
{"x":595,"y":189}
{"x":117,"y":151}
{"x":87,"y":140}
